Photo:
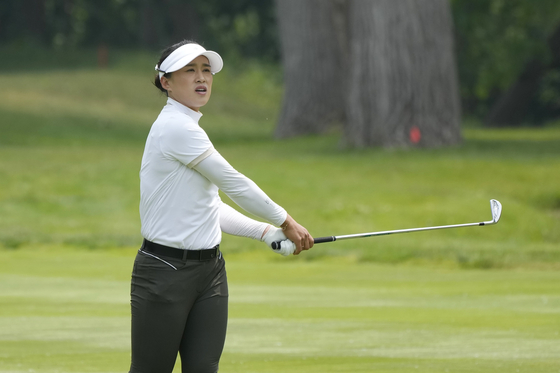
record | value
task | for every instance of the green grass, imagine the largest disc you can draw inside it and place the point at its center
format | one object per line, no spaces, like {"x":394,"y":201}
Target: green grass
{"x":67,"y":310}
{"x":71,"y":143}
{"x":481,"y":299}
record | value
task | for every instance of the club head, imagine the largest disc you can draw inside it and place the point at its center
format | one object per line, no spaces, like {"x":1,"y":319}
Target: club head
{"x":496,"y":208}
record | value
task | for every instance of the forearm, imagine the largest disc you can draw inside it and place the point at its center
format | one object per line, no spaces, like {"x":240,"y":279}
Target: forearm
{"x":241,"y":189}
{"x":251,"y":198}
{"x":235,"y":223}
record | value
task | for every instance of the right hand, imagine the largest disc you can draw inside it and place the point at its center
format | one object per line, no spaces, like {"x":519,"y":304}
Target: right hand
{"x":297,"y":234}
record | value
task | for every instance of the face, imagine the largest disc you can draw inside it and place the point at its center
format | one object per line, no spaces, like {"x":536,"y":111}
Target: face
{"x":190,"y":85}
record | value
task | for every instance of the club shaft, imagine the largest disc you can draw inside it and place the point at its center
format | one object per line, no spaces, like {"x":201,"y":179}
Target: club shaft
{"x":396,"y":231}
{"x":495,"y":206}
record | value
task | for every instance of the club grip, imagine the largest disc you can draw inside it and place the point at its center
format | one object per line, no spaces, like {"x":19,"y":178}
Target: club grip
{"x":276,"y":245}
{"x":324,"y":239}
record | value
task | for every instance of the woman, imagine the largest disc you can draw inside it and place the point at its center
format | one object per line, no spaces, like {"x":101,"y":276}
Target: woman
{"x":179,"y":290}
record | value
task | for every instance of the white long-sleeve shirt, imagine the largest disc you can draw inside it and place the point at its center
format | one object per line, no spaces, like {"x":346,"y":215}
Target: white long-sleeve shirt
{"x":180,"y":176}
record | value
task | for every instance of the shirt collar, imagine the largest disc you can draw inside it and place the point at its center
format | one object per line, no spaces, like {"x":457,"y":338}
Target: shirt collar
{"x":196,"y":115}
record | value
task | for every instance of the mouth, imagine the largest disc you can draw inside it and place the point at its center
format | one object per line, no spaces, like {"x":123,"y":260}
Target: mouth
{"x":201,"y":90}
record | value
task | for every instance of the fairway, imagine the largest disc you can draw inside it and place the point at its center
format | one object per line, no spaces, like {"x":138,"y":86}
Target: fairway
{"x":68,"y":311}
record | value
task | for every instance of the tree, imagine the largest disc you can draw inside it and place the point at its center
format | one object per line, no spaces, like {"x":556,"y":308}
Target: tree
{"x":386,"y":67}
{"x":312,"y":66}
{"x":403,"y":87}
{"x":512,"y":107}
{"x":502,"y":45}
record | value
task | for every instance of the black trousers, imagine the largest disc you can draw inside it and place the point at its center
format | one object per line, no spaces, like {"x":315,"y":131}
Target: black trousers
{"x":178,"y":307}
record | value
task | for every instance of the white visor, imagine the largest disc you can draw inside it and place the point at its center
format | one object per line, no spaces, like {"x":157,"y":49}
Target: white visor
{"x":181,"y":56}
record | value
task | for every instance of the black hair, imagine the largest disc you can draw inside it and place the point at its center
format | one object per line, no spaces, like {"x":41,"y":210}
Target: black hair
{"x":166,"y":52}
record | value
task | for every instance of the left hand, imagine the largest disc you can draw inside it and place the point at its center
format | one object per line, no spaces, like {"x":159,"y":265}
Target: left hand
{"x":273,"y":234}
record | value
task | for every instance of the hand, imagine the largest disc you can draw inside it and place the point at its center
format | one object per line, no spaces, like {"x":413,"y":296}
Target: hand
{"x":285,"y":246}
{"x":297,"y":234}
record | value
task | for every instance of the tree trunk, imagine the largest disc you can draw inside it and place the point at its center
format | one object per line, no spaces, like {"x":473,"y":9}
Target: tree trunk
{"x":511,"y":108}
{"x":403,"y":82}
{"x":313,"y":98}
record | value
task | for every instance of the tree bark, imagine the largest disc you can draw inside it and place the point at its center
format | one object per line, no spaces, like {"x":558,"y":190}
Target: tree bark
{"x":385,"y":68}
{"x":403,"y":82}
{"x":309,"y":45}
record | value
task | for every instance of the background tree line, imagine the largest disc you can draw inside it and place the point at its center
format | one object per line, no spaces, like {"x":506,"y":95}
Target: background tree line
{"x":507,"y":52}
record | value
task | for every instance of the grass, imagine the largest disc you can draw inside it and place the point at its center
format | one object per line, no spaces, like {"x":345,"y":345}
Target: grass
{"x":466,"y":300}
{"x":72,"y":141}
{"x":66,"y":310}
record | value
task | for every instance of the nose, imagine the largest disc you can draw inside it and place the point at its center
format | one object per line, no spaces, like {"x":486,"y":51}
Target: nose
{"x":200,"y":77}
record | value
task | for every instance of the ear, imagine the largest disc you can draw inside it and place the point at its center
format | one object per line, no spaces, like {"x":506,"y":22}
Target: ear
{"x":165,"y":83}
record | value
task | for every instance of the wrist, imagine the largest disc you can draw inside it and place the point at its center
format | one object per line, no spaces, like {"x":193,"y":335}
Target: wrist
{"x":286,"y":223}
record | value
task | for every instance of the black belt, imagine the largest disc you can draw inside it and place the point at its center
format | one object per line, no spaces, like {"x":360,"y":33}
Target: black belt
{"x":156,"y":248}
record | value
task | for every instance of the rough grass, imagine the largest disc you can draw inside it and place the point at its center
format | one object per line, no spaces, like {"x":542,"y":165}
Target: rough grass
{"x":71,"y":143}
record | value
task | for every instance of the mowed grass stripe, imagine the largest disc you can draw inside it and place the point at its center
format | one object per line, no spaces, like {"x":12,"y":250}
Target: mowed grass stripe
{"x":290,"y":315}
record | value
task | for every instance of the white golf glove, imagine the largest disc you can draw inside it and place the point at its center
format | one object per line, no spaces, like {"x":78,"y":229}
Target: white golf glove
{"x":274,"y":234}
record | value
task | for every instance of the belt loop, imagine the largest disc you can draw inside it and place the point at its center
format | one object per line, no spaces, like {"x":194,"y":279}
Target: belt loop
{"x":185,"y":252}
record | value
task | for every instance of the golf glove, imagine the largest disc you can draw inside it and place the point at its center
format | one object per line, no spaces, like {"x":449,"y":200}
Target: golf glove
{"x":286,"y":248}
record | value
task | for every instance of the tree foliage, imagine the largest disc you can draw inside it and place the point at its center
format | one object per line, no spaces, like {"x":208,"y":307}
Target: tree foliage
{"x":495,"y":40}
{"x":243,"y":27}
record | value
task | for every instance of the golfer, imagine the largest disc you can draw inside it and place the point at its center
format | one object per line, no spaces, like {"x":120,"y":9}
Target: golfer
{"x":179,"y":290}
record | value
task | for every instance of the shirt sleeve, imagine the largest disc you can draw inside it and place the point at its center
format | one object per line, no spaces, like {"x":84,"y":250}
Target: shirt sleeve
{"x":235,"y":223}
{"x":185,"y":141}
{"x":243,"y":191}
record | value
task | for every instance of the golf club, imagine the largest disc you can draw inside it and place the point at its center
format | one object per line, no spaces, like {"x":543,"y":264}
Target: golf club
{"x":495,"y":207}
